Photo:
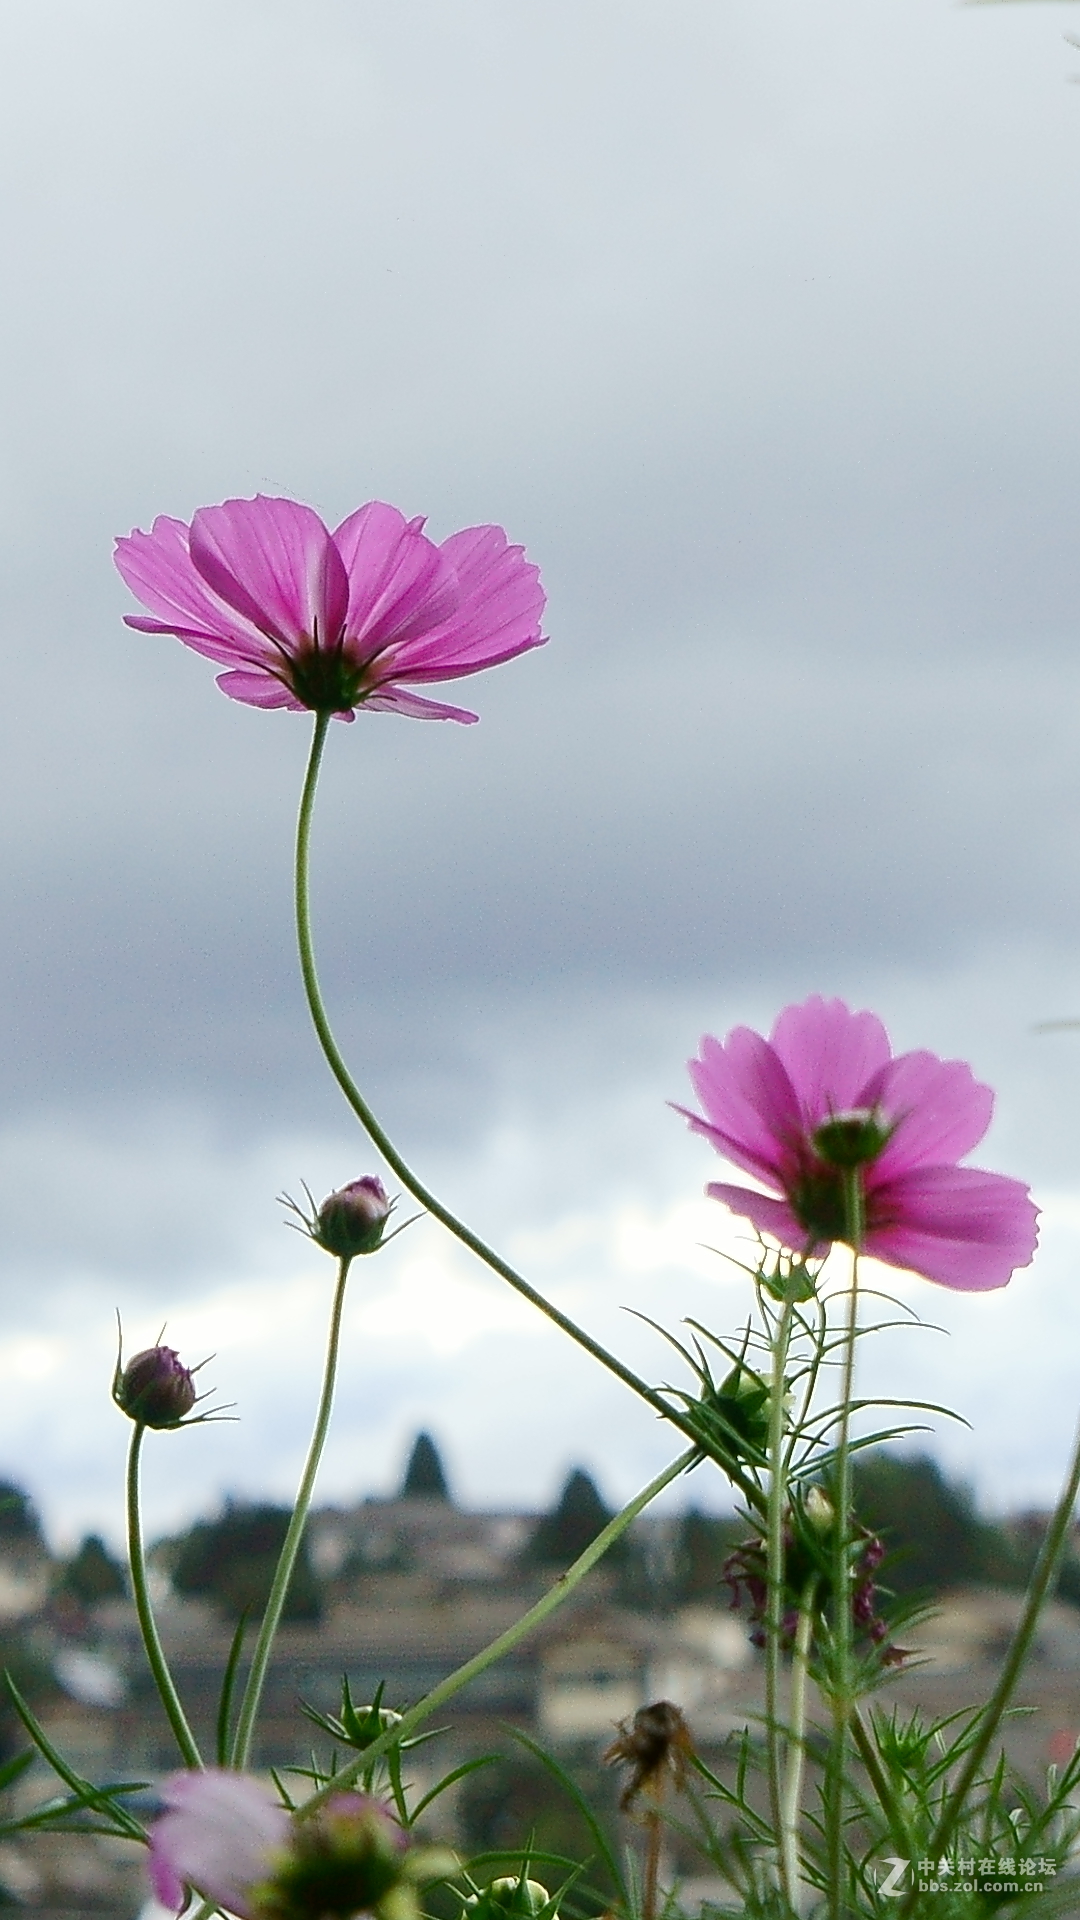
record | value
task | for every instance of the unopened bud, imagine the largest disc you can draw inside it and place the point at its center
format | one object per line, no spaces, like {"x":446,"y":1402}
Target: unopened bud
{"x":155,"y":1389}
{"x":819,"y":1510}
{"x":847,"y":1140}
{"x":508,"y":1899}
{"x":353,"y":1220}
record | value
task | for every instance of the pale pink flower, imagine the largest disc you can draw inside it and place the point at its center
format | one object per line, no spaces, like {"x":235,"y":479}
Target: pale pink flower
{"x":228,"y":1836}
{"x":305,"y":618}
{"x":823,"y":1091}
{"x":221,"y":1832}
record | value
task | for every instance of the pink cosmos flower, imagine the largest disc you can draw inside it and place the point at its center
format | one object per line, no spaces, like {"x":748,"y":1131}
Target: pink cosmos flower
{"x":221,"y":1832}
{"x":824,"y":1093}
{"x":227,"y":1835}
{"x":302,"y":617}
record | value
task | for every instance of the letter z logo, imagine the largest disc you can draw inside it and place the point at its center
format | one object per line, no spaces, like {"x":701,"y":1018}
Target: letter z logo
{"x":890,"y":1886}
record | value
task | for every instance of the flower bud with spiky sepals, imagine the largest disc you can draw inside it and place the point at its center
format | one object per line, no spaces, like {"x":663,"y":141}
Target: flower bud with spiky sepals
{"x":351,"y":1221}
{"x":511,"y":1897}
{"x":155,"y":1389}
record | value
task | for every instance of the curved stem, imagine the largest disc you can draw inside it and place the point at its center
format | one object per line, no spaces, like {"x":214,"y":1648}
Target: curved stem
{"x":399,"y":1167}
{"x":505,"y":1643}
{"x":260,"y":1659}
{"x":155,"y":1653}
{"x":774,"y":1580}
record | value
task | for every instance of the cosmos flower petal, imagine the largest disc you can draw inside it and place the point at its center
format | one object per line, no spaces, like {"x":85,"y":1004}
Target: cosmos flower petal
{"x":258,"y":689}
{"x":399,"y":583}
{"x":941,"y":1111}
{"x":158,"y":568}
{"x":498,"y":615}
{"x":767,"y":1215}
{"x":221,"y":1832}
{"x":275,"y":563}
{"x":959,"y":1226}
{"x":400,"y":700}
{"x":830,"y":1053}
{"x":750,"y":1104}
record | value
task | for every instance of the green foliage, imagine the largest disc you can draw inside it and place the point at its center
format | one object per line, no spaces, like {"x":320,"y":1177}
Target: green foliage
{"x":521,"y":1805}
{"x":231,"y":1560}
{"x":425,"y":1476}
{"x":934,"y":1537}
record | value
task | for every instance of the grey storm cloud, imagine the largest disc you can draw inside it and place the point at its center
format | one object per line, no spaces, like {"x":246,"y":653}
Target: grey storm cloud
{"x":756,"y":324}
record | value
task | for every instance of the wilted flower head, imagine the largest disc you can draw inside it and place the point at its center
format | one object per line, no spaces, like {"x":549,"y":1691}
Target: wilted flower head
{"x":824,"y":1095}
{"x":654,"y":1744}
{"x":227,"y":1835}
{"x":302,"y":617}
{"x":808,"y":1567}
{"x":155,"y":1388}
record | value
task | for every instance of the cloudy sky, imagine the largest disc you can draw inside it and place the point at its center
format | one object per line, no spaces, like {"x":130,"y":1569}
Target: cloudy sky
{"x":756,"y":322}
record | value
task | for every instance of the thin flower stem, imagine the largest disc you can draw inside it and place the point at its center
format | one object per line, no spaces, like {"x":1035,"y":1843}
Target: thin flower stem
{"x":841,"y":1567}
{"x":155,"y":1652}
{"x":260,"y":1659}
{"x":399,"y":1167}
{"x":505,"y":1642}
{"x":654,"y":1839}
{"x":791,"y":1809}
{"x":1050,"y":1557}
{"x":774,"y":1579}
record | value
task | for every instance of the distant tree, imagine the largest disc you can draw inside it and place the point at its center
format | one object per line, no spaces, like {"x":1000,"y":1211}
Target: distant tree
{"x":425,"y":1478}
{"x":935,"y":1538}
{"x":231,"y":1561}
{"x":18,"y":1519}
{"x":579,"y":1515}
{"x":93,"y":1574}
{"x":704,"y":1544}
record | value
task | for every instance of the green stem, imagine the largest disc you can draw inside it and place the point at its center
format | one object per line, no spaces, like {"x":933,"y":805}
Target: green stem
{"x":260,"y":1659}
{"x":841,"y":1566}
{"x":791,"y":1809}
{"x":155,"y":1653}
{"x":887,"y":1799}
{"x":398,"y":1166}
{"x":506,"y":1642}
{"x":774,"y":1579}
{"x":1050,"y":1557}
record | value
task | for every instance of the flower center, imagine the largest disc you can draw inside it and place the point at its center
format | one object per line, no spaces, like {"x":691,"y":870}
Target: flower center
{"x":851,"y":1139}
{"x":324,"y":679}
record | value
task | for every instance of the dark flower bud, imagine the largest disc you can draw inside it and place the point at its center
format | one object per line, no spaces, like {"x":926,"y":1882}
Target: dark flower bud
{"x":155,"y":1388}
{"x":353,"y":1219}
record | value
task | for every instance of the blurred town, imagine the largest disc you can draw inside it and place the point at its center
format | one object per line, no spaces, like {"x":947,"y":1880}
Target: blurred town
{"x":397,"y":1593}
